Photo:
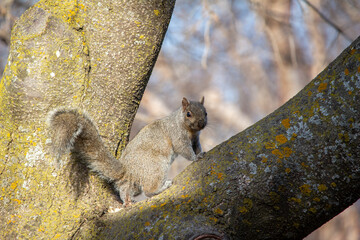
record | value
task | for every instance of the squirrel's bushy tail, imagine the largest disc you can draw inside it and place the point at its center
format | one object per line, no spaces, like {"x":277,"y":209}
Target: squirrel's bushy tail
{"x":65,"y":126}
{"x":74,"y":132}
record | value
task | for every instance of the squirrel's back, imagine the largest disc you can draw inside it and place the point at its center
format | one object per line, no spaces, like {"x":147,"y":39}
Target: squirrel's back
{"x":150,"y":151}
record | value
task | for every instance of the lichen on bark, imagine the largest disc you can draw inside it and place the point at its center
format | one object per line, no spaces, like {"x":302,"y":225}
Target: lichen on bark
{"x":281,"y":178}
{"x":73,"y":53}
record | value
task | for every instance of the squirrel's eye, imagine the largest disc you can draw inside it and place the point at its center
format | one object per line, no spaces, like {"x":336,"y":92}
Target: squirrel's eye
{"x":188,"y":114}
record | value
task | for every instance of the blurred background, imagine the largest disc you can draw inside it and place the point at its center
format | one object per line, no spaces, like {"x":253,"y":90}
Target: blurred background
{"x":247,"y":57}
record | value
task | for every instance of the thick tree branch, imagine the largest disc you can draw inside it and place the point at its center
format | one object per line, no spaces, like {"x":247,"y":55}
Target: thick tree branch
{"x":279,"y":179}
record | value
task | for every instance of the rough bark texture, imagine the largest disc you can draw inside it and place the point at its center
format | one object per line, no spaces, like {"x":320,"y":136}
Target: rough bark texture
{"x":280,"y":179}
{"x":93,"y":55}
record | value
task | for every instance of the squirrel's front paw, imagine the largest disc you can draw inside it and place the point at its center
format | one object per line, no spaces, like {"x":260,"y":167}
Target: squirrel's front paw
{"x":200,"y":155}
{"x":167,"y":184}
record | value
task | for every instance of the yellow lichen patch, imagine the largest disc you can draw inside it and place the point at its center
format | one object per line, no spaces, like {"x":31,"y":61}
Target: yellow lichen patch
{"x":309,"y":93}
{"x":57,"y":236}
{"x":346,"y":71}
{"x":156,"y":12}
{"x":344,"y":137}
{"x":248,"y":202}
{"x":14,"y":185}
{"x":294,"y":199}
{"x":333,"y":184}
{"x":219,"y":211}
{"x":12,"y":219}
{"x":286,"y":123}
{"x":305,"y":189}
{"x":296,"y":225}
{"x":269,"y":145}
{"x":147,"y":224}
{"x":264,"y":159}
{"x":322,"y":187}
{"x":243,"y":209}
{"x":281,"y":139}
{"x":287,"y":170}
{"x":277,"y":153}
{"x":353,"y":51}
{"x":304,"y":165}
{"x":322,"y":87}
{"x":17,"y":200}
{"x":294,"y":135}
{"x":287,"y":151}
{"x":313,"y":210}
{"x":213,"y":219}
{"x":316,"y":199}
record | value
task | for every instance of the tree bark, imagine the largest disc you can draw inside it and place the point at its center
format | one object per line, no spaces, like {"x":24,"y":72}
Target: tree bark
{"x":281,"y":178}
{"x":92,"y":55}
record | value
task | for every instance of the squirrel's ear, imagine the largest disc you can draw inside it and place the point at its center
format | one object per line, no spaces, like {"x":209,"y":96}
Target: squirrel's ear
{"x":184,"y":103}
{"x":202,"y":100}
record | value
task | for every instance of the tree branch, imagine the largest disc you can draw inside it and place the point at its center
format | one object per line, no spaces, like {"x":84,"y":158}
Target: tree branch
{"x":281,"y":178}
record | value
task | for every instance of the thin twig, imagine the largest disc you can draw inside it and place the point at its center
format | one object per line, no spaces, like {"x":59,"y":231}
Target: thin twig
{"x":328,"y":21}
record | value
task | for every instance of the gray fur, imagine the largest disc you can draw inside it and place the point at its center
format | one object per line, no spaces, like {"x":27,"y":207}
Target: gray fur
{"x":145,"y":161}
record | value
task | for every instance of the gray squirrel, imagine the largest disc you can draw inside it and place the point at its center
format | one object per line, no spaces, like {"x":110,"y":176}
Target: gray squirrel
{"x":145,"y":161}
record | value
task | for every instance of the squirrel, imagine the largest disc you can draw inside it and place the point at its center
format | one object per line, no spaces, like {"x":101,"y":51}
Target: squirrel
{"x":145,"y":161}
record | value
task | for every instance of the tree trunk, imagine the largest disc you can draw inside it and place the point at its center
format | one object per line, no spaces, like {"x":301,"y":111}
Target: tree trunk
{"x":93,"y":55}
{"x":281,"y":178}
